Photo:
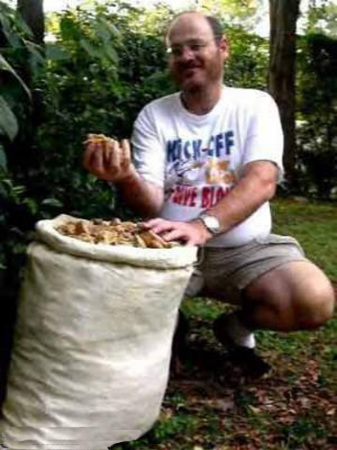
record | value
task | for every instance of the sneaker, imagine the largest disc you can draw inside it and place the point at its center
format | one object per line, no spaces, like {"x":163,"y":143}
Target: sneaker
{"x":230,"y":331}
{"x":244,"y":357}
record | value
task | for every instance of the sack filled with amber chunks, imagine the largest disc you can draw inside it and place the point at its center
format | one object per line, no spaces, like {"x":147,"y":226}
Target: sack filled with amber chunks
{"x":96,"y":318}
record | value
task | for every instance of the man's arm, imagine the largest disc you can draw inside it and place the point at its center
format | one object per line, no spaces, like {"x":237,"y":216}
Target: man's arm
{"x":143,"y":196}
{"x":111,"y":161}
{"x":256,"y":186}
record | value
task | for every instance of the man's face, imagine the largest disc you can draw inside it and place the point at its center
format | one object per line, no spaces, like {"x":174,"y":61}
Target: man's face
{"x":196,"y":59}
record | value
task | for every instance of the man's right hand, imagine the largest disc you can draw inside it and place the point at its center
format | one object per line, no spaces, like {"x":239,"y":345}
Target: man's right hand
{"x":109,"y":160}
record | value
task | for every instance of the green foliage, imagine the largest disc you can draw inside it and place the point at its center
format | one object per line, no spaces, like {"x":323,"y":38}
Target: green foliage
{"x":99,"y":74}
{"x":16,"y":222}
{"x":316,"y":102}
{"x":14,"y":45}
{"x":248,"y":62}
{"x":8,"y":122}
{"x":322,"y":18}
{"x":317,"y":120}
{"x":19,"y":62}
{"x":239,"y":13}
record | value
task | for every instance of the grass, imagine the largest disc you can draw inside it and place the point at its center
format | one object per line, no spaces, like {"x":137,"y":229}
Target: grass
{"x":209,"y":405}
{"x":315,"y":226}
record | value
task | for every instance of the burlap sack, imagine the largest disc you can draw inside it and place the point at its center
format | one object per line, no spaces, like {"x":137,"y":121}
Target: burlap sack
{"x":93,"y":342}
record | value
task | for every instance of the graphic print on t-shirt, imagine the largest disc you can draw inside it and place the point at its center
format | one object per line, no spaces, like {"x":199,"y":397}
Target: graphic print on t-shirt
{"x":199,"y":176}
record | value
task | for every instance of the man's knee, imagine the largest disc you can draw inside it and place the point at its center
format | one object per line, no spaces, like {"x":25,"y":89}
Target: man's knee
{"x":299,"y":295}
{"x":316,"y":305}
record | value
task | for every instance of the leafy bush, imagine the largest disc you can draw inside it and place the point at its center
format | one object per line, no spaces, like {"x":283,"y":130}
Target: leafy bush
{"x":317,"y":124}
{"x":19,"y":61}
{"x":99,"y":73}
{"x":248,"y":62}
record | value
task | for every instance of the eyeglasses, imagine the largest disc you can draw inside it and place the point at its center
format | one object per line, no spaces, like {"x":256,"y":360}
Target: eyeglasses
{"x":195,"y":47}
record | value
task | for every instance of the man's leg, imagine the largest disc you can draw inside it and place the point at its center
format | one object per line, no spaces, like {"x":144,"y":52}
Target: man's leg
{"x":275,"y":287}
{"x":294,"y":296}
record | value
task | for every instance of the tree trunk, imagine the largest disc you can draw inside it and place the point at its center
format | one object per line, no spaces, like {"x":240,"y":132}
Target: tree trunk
{"x":32,"y":13}
{"x":282,"y":71}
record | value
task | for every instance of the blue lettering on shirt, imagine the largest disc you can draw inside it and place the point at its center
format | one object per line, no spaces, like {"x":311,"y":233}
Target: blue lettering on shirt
{"x":187,"y":154}
{"x":219,"y":145}
{"x":173,"y":150}
{"x":196,"y":149}
{"x":229,"y":139}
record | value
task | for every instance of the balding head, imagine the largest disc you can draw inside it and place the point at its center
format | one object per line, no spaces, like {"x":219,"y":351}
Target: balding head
{"x":187,"y":16}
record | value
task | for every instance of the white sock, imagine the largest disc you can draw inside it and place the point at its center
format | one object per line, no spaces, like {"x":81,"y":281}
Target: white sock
{"x":238,"y":332}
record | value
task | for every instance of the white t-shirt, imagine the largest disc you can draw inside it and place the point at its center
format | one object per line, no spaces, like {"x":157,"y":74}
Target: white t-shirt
{"x":197,"y":159}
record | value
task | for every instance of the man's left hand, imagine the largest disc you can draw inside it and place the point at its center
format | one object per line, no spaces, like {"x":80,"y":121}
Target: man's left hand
{"x":191,"y":233}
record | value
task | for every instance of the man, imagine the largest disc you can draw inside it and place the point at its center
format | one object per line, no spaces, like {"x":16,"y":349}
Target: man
{"x":206,"y":163}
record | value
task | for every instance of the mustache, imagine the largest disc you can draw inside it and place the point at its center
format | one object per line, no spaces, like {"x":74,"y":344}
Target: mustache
{"x":188,"y":65}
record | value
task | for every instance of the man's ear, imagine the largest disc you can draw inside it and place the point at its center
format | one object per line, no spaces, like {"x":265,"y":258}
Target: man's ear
{"x":224,"y":47}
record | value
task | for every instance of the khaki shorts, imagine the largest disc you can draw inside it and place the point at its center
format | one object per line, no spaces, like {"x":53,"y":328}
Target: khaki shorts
{"x":223,"y":273}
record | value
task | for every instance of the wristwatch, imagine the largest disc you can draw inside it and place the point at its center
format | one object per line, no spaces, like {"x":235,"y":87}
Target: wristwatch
{"x":211,"y":223}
